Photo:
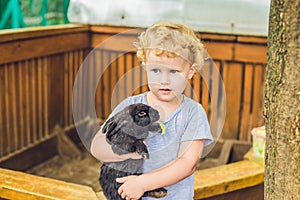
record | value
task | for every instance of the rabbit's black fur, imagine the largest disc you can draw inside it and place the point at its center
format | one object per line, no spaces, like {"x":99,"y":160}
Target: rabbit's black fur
{"x":126,"y":132}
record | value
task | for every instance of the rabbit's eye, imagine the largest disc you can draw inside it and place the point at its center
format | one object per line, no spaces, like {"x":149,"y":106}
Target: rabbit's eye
{"x":142,"y":114}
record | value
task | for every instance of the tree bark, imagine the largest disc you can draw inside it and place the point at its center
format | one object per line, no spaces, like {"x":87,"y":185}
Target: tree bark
{"x":282,"y":102}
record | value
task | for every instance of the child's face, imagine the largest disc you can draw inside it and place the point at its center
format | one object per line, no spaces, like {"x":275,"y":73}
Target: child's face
{"x":168,"y":76}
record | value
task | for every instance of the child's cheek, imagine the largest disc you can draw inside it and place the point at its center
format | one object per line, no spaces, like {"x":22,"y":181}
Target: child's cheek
{"x":179,"y":83}
{"x":153,"y":78}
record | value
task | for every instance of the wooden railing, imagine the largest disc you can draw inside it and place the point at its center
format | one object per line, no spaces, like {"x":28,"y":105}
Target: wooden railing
{"x":19,"y":186}
{"x":38,"y":68}
{"x":239,"y":59}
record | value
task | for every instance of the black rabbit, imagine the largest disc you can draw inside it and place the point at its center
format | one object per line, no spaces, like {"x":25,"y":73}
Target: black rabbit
{"x":126,"y":132}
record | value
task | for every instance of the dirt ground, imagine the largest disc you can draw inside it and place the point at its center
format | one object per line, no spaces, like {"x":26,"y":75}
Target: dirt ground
{"x":72,"y":164}
{"x":84,"y":171}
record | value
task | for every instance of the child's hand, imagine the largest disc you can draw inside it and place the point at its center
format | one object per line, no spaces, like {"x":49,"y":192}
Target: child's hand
{"x":131,"y":187}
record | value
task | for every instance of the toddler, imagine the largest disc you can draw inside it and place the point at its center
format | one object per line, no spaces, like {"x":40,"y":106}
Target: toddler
{"x":171,"y":54}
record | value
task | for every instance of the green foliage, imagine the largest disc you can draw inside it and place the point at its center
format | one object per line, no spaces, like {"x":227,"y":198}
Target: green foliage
{"x":32,"y":13}
{"x":11,"y":14}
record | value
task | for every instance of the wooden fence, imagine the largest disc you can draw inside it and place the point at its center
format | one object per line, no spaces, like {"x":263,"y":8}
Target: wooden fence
{"x":38,"y":68}
{"x":240,"y":60}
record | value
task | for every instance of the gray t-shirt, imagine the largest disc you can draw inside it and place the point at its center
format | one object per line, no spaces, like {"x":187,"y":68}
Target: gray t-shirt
{"x":188,"y":122}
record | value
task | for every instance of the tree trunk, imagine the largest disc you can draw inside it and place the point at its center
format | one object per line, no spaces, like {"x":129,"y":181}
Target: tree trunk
{"x":282,"y":102}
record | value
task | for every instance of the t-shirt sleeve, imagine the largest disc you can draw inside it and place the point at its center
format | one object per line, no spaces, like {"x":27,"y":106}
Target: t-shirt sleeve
{"x":197,"y":126}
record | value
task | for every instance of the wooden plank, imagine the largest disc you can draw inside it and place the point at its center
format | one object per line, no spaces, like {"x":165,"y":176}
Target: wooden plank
{"x":101,"y":87}
{"x":250,"y":193}
{"x":3,"y":143}
{"x":112,"y":30}
{"x":9,"y":35}
{"x":226,"y":178}
{"x":106,"y":84}
{"x":89,"y":81}
{"x":246,"y":104}
{"x":20,"y":50}
{"x":119,"y":42}
{"x":30,"y":155}
{"x":85,"y":90}
{"x":121,"y":83}
{"x":137,"y":79}
{"x":27,"y":104}
{"x":100,"y":29}
{"x":7,"y":112}
{"x":40,"y":100}
{"x":99,"y":94}
{"x":195,"y":83}
{"x":16,"y":185}
{"x":78,"y":60}
{"x":233,"y":83}
{"x":32,"y":101}
{"x":205,"y":79}
{"x":252,"y":39}
{"x":217,"y":113}
{"x":12,"y":110}
{"x":46,"y":96}
{"x":68,"y":91}
{"x":258,"y":95}
{"x":56,"y":79}
{"x":222,"y":98}
{"x":216,"y":37}
{"x":129,"y":75}
{"x":220,"y":50}
{"x":21,"y":112}
{"x":67,"y":64}
{"x":118,"y":93}
{"x":250,"y":53}
{"x":15,"y":109}
{"x":113,"y":74}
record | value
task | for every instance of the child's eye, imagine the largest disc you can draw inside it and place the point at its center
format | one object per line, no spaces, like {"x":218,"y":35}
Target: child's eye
{"x":173,"y":71}
{"x":155,"y":70}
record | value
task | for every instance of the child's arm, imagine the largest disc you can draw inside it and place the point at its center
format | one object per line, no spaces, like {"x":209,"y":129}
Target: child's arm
{"x":189,"y":156}
{"x":102,"y":151}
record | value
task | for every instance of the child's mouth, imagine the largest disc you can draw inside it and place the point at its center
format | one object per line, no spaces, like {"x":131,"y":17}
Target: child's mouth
{"x":165,"y":90}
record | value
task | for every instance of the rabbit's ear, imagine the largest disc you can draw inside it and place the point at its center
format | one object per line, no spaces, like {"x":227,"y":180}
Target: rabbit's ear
{"x":110,"y":128}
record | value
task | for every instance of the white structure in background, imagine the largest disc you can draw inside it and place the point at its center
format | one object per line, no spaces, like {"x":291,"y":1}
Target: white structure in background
{"x":248,"y":17}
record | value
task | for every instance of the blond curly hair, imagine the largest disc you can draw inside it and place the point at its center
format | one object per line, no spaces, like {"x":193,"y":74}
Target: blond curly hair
{"x":171,"y":39}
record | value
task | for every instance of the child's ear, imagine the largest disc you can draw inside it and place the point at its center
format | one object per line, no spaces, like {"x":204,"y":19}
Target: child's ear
{"x":192,"y":71}
{"x":143,"y":65}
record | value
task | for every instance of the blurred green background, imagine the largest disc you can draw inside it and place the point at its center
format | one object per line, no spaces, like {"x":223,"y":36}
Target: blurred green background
{"x":30,"y":13}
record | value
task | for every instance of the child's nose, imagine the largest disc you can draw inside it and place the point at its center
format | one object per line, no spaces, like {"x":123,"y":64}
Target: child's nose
{"x":165,"y":79}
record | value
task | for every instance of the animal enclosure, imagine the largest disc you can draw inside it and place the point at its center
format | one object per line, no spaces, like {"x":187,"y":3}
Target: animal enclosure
{"x":38,"y":67}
